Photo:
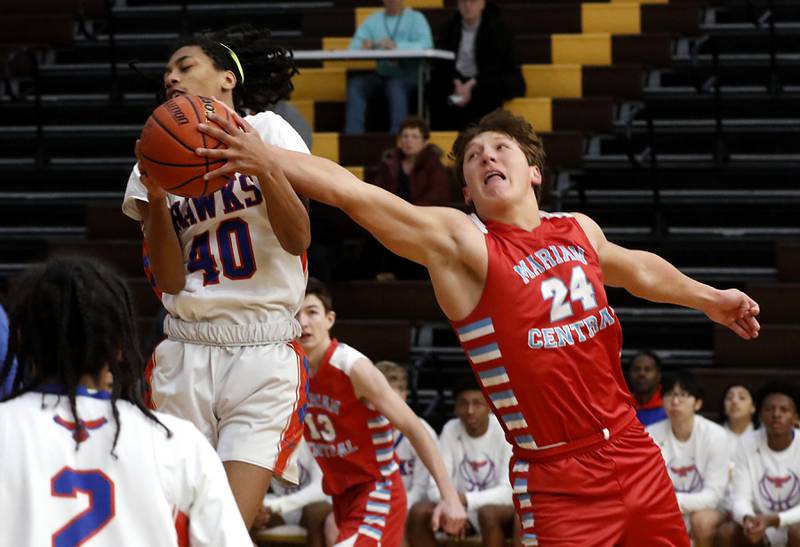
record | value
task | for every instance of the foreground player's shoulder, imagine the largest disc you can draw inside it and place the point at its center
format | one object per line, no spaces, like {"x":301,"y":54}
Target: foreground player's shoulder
{"x":277,"y":131}
{"x":344,"y":357}
{"x":591,"y":229}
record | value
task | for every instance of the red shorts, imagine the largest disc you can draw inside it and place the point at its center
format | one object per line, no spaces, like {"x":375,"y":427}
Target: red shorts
{"x":614,"y":494}
{"x":371,"y":513}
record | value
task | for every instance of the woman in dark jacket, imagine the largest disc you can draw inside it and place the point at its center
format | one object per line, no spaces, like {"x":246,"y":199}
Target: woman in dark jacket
{"x":485,"y":73}
{"x":413,"y":170}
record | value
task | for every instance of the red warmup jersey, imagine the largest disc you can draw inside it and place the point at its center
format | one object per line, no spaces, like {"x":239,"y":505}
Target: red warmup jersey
{"x":543,"y":341}
{"x":351,"y":443}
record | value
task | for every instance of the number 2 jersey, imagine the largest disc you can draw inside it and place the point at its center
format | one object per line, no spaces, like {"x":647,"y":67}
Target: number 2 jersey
{"x":237,"y":272}
{"x":55,"y":494}
{"x":352,"y":443}
{"x":543,"y":340}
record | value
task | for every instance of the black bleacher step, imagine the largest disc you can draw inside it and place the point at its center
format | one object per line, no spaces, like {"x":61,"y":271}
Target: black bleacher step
{"x":662,"y":104}
{"x":125,"y":256}
{"x":80,"y":109}
{"x":709,"y":179}
{"x":777,"y":345}
{"x":778,"y":141}
{"x":378,"y":339}
{"x":752,"y":41}
{"x":738,"y":11}
{"x":788,"y":260}
{"x":775,"y":301}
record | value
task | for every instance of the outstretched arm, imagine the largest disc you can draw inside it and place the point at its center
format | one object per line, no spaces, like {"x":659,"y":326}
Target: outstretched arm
{"x":421,"y":234}
{"x":649,"y":276}
{"x":371,"y":385}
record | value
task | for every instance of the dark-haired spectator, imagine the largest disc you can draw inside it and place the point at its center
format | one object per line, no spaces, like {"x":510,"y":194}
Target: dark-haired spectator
{"x":697,"y":454}
{"x":476,"y":455}
{"x":644,"y":381}
{"x":413,"y":169}
{"x":766,"y":475}
{"x":485,"y":73}
{"x":396,"y":27}
{"x":739,"y":409}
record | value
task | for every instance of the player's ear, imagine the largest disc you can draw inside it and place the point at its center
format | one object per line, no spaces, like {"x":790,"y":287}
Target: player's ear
{"x":228,"y":80}
{"x":535,"y":176}
{"x":698,"y":404}
{"x":467,"y":197}
{"x":331,"y":315}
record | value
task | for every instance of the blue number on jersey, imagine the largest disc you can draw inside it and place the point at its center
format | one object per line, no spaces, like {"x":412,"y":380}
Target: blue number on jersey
{"x":243,"y":265}
{"x":67,"y":483}
{"x":200,"y":258}
{"x":240,"y":266}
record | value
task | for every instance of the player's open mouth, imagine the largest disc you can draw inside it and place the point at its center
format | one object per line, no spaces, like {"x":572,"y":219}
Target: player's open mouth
{"x":172,"y":93}
{"x":496,"y":175}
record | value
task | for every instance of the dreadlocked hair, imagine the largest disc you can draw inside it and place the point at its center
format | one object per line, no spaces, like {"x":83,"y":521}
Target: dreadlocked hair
{"x":268,"y":68}
{"x":69,"y":317}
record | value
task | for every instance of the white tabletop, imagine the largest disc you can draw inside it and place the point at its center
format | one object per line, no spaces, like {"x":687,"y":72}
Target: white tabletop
{"x":344,"y":54}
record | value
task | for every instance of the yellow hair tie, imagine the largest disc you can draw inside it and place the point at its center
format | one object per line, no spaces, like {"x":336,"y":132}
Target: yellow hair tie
{"x":235,"y":60}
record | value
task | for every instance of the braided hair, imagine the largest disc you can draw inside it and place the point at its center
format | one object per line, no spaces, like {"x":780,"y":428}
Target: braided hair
{"x":70,"y":317}
{"x":268,"y":68}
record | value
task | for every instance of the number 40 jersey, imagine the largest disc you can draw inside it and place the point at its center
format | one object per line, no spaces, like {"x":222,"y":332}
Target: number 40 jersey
{"x":56,"y":494}
{"x":237,"y":272}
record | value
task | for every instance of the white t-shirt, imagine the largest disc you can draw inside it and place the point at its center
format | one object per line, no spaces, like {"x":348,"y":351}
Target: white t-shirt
{"x":237,"y":272}
{"x":284,"y":497}
{"x":415,"y":475}
{"x":477,"y":465}
{"x":733,"y":440}
{"x":698,"y":467}
{"x":765,"y":481}
{"x":55,"y":494}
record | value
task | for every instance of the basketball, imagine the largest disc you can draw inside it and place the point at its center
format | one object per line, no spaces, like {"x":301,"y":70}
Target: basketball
{"x":169,"y":139}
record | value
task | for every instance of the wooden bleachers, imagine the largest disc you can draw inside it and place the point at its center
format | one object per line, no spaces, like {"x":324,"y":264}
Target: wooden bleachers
{"x":789,"y":261}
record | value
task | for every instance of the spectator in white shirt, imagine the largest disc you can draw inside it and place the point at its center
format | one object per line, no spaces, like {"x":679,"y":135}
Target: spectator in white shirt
{"x":766,"y":476}
{"x":304,"y":505}
{"x":415,"y":475}
{"x":476,"y":454}
{"x":697,"y":454}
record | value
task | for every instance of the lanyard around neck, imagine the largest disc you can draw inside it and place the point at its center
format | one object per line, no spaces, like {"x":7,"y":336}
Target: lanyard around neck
{"x":396,"y":25}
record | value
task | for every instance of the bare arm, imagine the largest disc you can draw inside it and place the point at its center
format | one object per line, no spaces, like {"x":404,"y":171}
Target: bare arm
{"x":286,"y":212}
{"x":422,"y":234}
{"x":163,"y":248}
{"x":371,"y":385}
{"x":649,"y":276}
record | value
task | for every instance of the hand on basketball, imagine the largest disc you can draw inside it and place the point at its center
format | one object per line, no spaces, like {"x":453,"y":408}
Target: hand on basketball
{"x":735,"y":310}
{"x":245,"y":152}
{"x":449,"y":516}
{"x":154,"y":191}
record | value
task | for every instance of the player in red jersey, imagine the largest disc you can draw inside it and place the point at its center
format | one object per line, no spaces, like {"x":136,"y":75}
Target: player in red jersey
{"x":351,"y":411}
{"x":524,"y":291}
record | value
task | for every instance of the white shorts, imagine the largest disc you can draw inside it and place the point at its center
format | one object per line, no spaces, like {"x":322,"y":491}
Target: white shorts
{"x":248,"y":400}
{"x":777,"y":537}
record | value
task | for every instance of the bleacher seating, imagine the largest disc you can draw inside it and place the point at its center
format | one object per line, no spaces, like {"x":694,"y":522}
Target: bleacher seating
{"x":674,"y":124}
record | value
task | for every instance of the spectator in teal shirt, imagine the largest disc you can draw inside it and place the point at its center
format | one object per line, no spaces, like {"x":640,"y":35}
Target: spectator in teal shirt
{"x":396,"y":27}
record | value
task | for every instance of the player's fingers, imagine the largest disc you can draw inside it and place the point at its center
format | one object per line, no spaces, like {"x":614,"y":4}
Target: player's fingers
{"x":215,"y":153}
{"x":436,"y":518}
{"x":735,"y":327}
{"x":224,"y":171}
{"x":226,"y":123}
{"x":225,"y":136}
{"x":241,"y":122}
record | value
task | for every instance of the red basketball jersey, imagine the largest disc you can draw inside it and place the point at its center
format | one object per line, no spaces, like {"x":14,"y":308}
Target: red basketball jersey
{"x":352,"y":443}
{"x":543,"y":341}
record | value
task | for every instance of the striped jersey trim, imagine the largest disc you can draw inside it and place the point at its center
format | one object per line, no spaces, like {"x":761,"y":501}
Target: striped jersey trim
{"x":520,"y":486}
{"x":493,"y":377}
{"x":524,"y":501}
{"x":382,"y":437}
{"x":489,"y":352}
{"x":375,"y":423}
{"x":514,"y":420}
{"x":370,"y":531}
{"x":503,"y":399}
{"x":476,"y":330}
{"x":521,"y":467}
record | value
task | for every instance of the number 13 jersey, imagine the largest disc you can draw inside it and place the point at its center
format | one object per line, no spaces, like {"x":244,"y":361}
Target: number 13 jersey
{"x":543,"y":341}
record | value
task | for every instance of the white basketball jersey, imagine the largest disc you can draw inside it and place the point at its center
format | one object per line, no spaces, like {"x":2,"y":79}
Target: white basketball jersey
{"x":237,"y":272}
{"x":477,"y":465}
{"x":55,"y":494}
{"x":698,"y":467}
{"x":766,"y":481}
{"x":415,"y":475}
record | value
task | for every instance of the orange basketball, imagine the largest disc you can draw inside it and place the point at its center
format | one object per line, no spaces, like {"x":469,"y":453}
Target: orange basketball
{"x":169,"y":139}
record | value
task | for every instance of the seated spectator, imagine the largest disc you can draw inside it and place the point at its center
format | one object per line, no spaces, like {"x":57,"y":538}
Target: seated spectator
{"x":697,"y":455}
{"x":485,"y":73}
{"x":413,"y":170}
{"x":644,"y":380}
{"x":304,"y":505}
{"x":396,"y":27}
{"x":739,"y":410}
{"x":477,"y":456}
{"x":415,"y":475}
{"x":766,"y":476}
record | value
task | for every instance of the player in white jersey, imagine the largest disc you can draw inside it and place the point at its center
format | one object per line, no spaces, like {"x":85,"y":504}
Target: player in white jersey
{"x":230,"y":269}
{"x":415,"y":475}
{"x":476,"y":455}
{"x":697,"y":455}
{"x":80,"y":464}
{"x":304,"y":504}
{"x":766,"y":475}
